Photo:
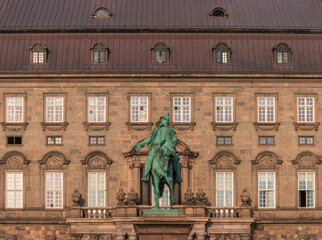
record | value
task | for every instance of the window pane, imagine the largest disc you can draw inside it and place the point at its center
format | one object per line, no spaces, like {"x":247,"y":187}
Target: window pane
{"x":224,"y":109}
{"x":181,"y":109}
{"x":14,"y":109}
{"x":54,"y":109}
{"x":54,"y":190}
{"x":96,"y":109}
{"x":139,"y":109}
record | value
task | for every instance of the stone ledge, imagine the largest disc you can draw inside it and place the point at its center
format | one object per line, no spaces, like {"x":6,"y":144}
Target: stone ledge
{"x":54,"y":126}
{"x":139,"y":126}
{"x":224,"y":126}
{"x":306,"y":126}
{"x":89,"y":126}
{"x":266,"y":126}
{"x":14,"y":126}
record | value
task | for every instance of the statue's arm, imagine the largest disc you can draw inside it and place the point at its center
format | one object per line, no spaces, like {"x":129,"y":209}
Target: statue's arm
{"x":144,"y":142}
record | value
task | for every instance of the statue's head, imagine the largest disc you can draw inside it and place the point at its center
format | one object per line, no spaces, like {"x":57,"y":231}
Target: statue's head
{"x":164,"y":120}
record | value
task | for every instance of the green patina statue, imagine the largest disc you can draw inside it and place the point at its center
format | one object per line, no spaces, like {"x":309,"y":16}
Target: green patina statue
{"x":163,"y":160}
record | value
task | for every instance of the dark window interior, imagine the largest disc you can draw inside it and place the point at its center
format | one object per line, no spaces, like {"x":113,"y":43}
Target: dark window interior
{"x":302,"y":198}
{"x":14,"y":140}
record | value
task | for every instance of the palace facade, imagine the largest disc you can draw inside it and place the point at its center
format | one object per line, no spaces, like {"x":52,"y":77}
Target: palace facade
{"x":83,"y":81}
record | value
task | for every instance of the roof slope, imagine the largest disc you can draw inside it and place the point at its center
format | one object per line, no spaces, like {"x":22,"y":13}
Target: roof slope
{"x":159,"y":14}
{"x":189,"y":52}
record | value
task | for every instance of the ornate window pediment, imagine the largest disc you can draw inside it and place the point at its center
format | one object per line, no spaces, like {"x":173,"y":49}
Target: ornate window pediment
{"x":97,"y":160}
{"x":224,"y":160}
{"x":307,"y":160}
{"x":54,"y":160}
{"x":14,"y":160}
{"x":267,"y":160}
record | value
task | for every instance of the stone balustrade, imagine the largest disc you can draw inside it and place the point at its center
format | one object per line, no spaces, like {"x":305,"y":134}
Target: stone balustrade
{"x":216,"y":212}
{"x":103,"y":212}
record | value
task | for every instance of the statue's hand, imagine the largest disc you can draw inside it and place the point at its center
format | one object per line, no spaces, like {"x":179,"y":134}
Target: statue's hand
{"x":138,"y":146}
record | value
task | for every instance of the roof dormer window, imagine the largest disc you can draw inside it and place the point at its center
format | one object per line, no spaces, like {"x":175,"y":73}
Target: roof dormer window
{"x":160,"y":53}
{"x":102,"y":12}
{"x":38,"y":54}
{"x":222,"y":53}
{"x":99,"y":53}
{"x":218,"y":13}
{"x":282,"y":53}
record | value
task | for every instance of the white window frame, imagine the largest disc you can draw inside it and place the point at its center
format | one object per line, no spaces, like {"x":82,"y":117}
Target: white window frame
{"x":38,"y":57}
{"x":224,"y":189}
{"x":14,"y":190}
{"x":225,"y":109}
{"x":265,"y":108}
{"x":15,"y":106}
{"x":96,"y":190}
{"x":54,"y":190}
{"x":55,"y":109}
{"x":139,"y":106}
{"x":306,"y":189}
{"x":267,"y":190}
{"x":96,"y":107}
{"x":178,"y":114}
{"x":306,"y":107}
{"x":166,"y":189}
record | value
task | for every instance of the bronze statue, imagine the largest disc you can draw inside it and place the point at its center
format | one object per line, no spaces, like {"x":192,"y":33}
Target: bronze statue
{"x":163,"y":160}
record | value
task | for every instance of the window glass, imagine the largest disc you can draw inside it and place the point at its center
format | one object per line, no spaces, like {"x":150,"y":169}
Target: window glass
{"x":182,"y":109}
{"x":139,"y":109}
{"x":224,"y":109}
{"x":54,"y":109}
{"x":96,"y":189}
{"x":54,"y":190}
{"x":97,"y":109}
{"x":14,"y":109}
{"x":266,"y":109}
{"x":14,"y":190}
{"x":306,"y":184}
{"x":266,"y":189}
{"x":305,"y":109}
{"x":224,"y":189}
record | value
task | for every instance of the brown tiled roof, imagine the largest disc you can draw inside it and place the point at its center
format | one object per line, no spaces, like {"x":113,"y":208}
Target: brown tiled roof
{"x":161,"y":14}
{"x":189,"y":52}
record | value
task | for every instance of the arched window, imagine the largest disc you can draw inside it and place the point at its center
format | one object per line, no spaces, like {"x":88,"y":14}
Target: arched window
{"x":222,"y":53}
{"x":102,"y":12}
{"x":218,"y":13}
{"x":99,"y":53}
{"x":160,"y":53}
{"x":38,"y":54}
{"x":282,"y":53}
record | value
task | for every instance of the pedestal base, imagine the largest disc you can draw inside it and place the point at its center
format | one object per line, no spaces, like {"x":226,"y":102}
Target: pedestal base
{"x":163,"y":211}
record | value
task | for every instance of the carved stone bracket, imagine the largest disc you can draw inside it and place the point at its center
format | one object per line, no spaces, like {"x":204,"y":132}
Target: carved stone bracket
{"x":14,"y":126}
{"x":266,"y":126}
{"x":97,"y":160}
{"x":307,"y":160}
{"x":183,"y":126}
{"x":54,"y":160}
{"x":266,"y":160}
{"x":306,"y":126}
{"x":14,"y":160}
{"x":140,"y":126}
{"x":54,"y":126}
{"x":224,"y":126}
{"x":104,"y":126}
{"x":224,"y":160}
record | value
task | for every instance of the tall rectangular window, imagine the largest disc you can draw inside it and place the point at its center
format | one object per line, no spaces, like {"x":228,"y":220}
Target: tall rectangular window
{"x":266,"y":109}
{"x":14,"y":109}
{"x":54,"y":190}
{"x":38,"y":57}
{"x":14,"y":190}
{"x":305,"y":109}
{"x":164,"y":201}
{"x":97,"y":109}
{"x":96,"y":189}
{"x":306,"y":189}
{"x":54,"y":109}
{"x":182,"y":109}
{"x":139,"y":109}
{"x":224,"y":109}
{"x":224,"y":189}
{"x":266,"y":189}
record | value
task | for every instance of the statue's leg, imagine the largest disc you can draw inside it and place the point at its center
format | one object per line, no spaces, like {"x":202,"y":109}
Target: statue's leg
{"x":147,"y":169}
{"x":156,"y":191}
{"x":177,"y":169}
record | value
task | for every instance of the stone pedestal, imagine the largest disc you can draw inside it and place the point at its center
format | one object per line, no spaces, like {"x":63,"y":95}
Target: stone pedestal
{"x":195,"y":211}
{"x":126,"y":211}
{"x":245,"y":212}
{"x":75,"y":212}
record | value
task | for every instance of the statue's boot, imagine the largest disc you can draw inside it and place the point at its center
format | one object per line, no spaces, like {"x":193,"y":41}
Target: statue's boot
{"x":145,"y":179}
{"x":179,"y":180}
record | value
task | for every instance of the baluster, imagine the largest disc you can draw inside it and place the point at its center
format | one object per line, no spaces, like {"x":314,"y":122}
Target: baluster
{"x":99,"y":213}
{"x":221,"y":213}
{"x":226,"y":213}
{"x":216,"y":213}
{"x":94,"y":213}
{"x":104,"y":213}
{"x":232,"y":213}
{"x":89,"y":213}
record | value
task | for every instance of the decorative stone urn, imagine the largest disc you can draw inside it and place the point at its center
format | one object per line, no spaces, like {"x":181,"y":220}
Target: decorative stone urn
{"x":76,"y":197}
{"x":189,"y":196}
{"x":132,"y":196}
{"x":120,"y":197}
{"x":201,"y":196}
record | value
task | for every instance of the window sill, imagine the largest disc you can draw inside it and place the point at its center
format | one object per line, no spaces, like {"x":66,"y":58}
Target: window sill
{"x":97,"y":126}
{"x":266,"y":145}
{"x":224,"y":145}
{"x":306,"y":145}
{"x":182,"y":126}
{"x":306,"y":126}
{"x":93,"y":145}
{"x":14,"y":126}
{"x":266,"y":126}
{"x":139,"y":126}
{"x":224,"y":126}
{"x":54,"y":126}
{"x":54,"y":145}
{"x":14,"y":145}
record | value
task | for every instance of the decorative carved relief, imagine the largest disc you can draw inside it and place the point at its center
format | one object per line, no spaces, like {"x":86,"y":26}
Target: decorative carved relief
{"x":224,"y":160}
{"x":97,"y":126}
{"x":14,"y":237}
{"x":54,"y":126}
{"x":183,"y":126}
{"x":139,"y":126}
{"x":306,"y":126}
{"x":14,"y":160}
{"x":14,"y":126}
{"x":267,"y":160}
{"x":307,"y":160}
{"x":97,"y":160}
{"x":54,"y":160}
{"x":307,"y":237}
{"x":224,"y":126}
{"x":266,"y":126}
